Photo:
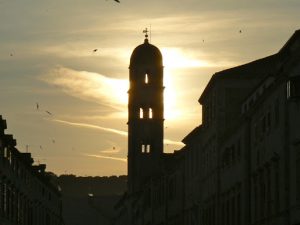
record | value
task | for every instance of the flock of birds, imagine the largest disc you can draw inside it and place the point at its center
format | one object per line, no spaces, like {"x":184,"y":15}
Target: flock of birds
{"x":38,"y":108}
{"x":94,"y":51}
{"x":46,"y":111}
{"x":50,"y":113}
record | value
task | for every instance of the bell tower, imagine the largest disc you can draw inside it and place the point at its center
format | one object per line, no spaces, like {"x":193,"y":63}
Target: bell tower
{"x":145,"y":114}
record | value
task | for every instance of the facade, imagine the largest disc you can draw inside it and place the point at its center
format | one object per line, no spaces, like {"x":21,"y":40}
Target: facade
{"x":28,"y":194}
{"x":241,"y":166}
{"x":246,"y":151}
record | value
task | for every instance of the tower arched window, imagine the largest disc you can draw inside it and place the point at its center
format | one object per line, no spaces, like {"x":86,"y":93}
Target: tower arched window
{"x":141,"y":113}
{"x":150,"y":113}
{"x":146,"y":78}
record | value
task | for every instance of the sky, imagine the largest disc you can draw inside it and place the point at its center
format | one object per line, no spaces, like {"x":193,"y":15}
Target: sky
{"x":66,"y":104}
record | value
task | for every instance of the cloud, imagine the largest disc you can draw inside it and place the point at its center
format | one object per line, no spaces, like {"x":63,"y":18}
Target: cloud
{"x":107,"y":157}
{"x":109,"y":151}
{"x":90,"y":86}
{"x":110,"y":130}
{"x":168,"y":141}
{"x":86,"y":125}
{"x":175,"y":58}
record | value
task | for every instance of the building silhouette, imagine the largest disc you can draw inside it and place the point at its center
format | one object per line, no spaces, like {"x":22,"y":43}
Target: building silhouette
{"x":241,"y":166}
{"x":145,"y":115}
{"x":28,"y":194}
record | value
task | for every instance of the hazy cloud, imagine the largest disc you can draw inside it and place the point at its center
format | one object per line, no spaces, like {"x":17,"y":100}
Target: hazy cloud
{"x":110,"y":130}
{"x":86,"y":125}
{"x":110,"y":151}
{"x":107,"y":157}
{"x":168,"y":141}
{"x":90,"y":86}
{"x":38,"y":35}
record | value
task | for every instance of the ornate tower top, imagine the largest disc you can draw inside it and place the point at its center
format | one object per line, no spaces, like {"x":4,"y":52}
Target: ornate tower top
{"x":146,"y":55}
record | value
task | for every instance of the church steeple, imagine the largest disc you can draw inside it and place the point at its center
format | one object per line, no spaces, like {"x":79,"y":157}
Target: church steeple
{"x":145,"y":113}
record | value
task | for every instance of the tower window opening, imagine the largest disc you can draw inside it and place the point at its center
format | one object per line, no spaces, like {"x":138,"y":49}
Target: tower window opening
{"x":150,"y":113}
{"x":146,"y":79}
{"x":141,"y":113}
{"x":145,"y":148}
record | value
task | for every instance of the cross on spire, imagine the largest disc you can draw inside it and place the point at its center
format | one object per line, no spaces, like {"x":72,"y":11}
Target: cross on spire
{"x":146,"y":32}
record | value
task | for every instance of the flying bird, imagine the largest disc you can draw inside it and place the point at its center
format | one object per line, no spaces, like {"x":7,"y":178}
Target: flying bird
{"x":95,"y":50}
{"x":37,"y":106}
{"x":240,"y":31}
{"x":117,"y":1}
{"x":49,"y":113}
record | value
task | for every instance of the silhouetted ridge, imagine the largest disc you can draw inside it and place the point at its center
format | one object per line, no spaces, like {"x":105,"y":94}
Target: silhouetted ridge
{"x":72,"y":185}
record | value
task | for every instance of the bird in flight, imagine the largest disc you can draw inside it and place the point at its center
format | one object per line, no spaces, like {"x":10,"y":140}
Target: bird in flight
{"x":118,"y":1}
{"x":95,"y":50}
{"x":37,"y":106}
{"x":240,"y":31}
{"x":49,"y":113}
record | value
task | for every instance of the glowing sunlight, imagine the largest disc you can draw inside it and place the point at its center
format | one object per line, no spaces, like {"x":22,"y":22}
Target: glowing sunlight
{"x":170,"y":96}
{"x":90,"y":86}
{"x":175,"y":58}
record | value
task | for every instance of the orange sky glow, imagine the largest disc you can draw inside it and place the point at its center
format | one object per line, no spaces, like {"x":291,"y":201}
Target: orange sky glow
{"x":72,"y":57}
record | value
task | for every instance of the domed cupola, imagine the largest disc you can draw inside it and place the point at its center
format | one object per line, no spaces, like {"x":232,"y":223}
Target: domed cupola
{"x":146,"y":54}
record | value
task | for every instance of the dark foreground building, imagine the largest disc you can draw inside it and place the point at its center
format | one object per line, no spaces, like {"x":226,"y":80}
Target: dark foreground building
{"x":241,"y":166}
{"x":28,"y":194}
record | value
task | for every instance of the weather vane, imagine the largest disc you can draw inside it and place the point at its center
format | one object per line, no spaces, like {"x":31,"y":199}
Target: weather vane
{"x":146,"y":32}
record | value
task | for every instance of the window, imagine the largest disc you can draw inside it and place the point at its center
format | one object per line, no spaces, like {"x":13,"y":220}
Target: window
{"x":277,"y":189}
{"x":288,"y":89}
{"x":171,"y":189}
{"x":145,"y":148}
{"x":276,"y":109}
{"x":269,"y":122}
{"x":141,"y":113}
{"x":146,"y":79}
{"x":293,"y":87}
{"x":238,"y":150}
{"x":5,"y":152}
{"x":238,"y":208}
{"x":264,"y":124}
{"x":298,"y":179}
{"x":232,"y":149}
{"x":150,"y":113}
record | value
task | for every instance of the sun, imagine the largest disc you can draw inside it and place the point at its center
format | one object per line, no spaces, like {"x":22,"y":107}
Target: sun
{"x":170,"y":97}
{"x":174,"y":59}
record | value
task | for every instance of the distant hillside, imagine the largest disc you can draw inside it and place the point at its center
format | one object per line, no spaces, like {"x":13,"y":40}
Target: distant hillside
{"x":98,"y":186}
{"x":90,"y":200}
